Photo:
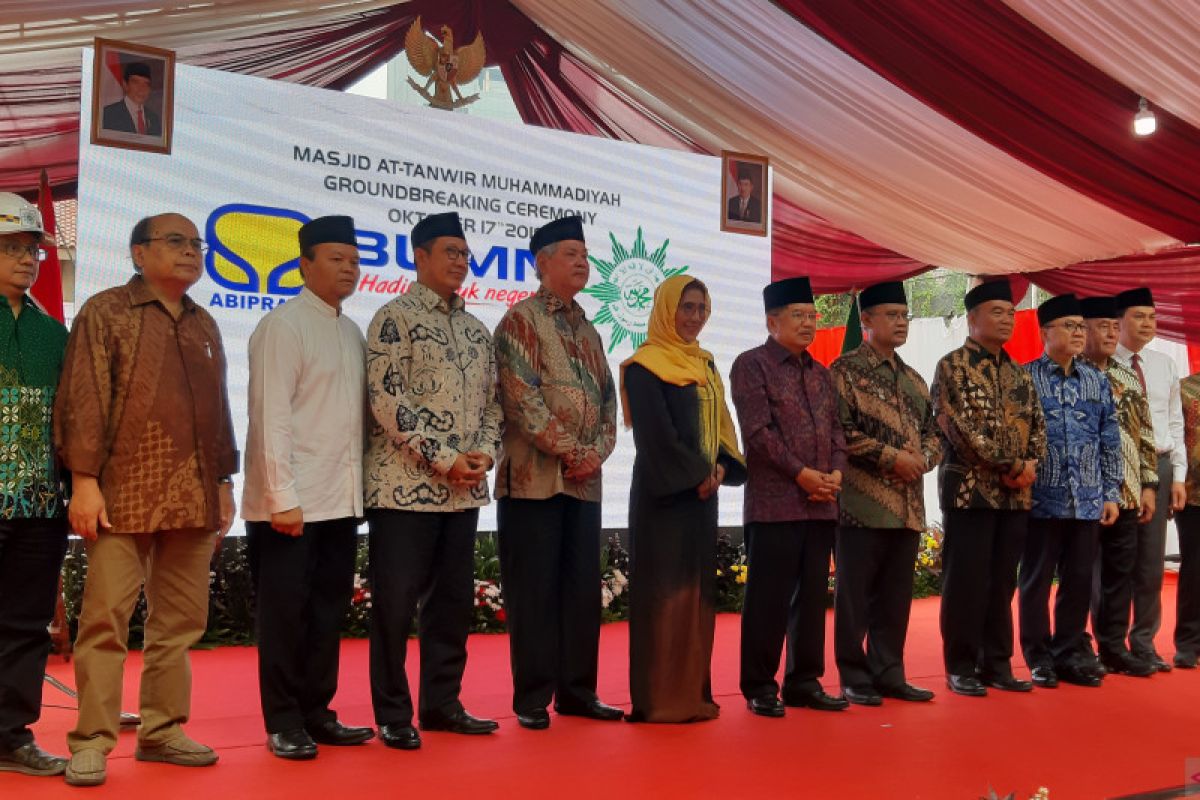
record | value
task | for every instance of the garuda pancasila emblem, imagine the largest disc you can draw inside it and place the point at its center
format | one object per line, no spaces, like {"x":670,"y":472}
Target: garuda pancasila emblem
{"x":445,"y":67}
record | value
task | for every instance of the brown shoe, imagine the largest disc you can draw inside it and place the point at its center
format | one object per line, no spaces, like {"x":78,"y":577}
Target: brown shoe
{"x":29,"y":759}
{"x":87,"y":768}
{"x":180,"y":751}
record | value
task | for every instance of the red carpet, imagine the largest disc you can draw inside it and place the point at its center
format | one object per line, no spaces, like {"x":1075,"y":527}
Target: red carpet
{"x":1130,"y":735}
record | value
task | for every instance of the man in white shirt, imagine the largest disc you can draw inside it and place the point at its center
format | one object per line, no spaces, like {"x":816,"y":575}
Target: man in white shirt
{"x":1160,"y":378}
{"x":303,"y":497}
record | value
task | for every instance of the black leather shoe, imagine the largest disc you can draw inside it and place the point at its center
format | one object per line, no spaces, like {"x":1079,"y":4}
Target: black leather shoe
{"x":536,"y":720}
{"x":768,"y":706}
{"x":1045,"y":677}
{"x":461,"y":722}
{"x":907,"y":692}
{"x":593,"y":710}
{"x":966,"y":685}
{"x":1129,"y":664}
{"x":1079,"y":676}
{"x":1185,"y":660}
{"x":294,"y":745}
{"x":862,"y":695}
{"x":401,"y":737}
{"x":335,"y":733}
{"x":816,"y":700}
{"x":29,"y":759}
{"x":1007,"y":683}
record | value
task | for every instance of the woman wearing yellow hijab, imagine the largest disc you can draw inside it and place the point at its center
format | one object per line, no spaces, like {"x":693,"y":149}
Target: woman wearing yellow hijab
{"x":686,"y":447}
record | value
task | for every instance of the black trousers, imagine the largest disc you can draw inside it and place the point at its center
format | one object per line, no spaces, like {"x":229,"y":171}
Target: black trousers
{"x":873,"y":601}
{"x":786,"y":587}
{"x":1066,"y":547}
{"x":422,"y":562}
{"x":303,"y":586}
{"x":980,"y":553}
{"x":1187,"y":597}
{"x":31,"y":555}
{"x":1148,"y":567}
{"x":550,"y":568}
{"x":1112,"y":584}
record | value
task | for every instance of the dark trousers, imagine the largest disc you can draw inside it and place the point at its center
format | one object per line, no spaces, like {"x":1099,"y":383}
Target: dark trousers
{"x":550,"y":566}
{"x":1066,"y":547}
{"x":1112,"y":584}
{"x":31,"y":555}
{"x":873,"y":601}
{"x":421,"y":562}
{"x":303,"y":585}
{"x":786,"y":588}
{"x":980,"y":553}
{"x":1148,"y":567}
{"x":1187,"y":598}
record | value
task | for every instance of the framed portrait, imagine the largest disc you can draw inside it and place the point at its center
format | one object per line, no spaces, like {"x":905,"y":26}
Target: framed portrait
{"x":133,"y":96}
{"x":745,"y":202}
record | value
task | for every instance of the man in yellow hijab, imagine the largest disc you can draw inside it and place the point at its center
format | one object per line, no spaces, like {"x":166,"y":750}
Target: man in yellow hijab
{"x":796,"y":454}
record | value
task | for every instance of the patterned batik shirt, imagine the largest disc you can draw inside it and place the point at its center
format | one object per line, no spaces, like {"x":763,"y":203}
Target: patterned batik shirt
{"x":32,"y":346}
{"x":884,"y":409}
{"x":558,"y":395}
{"x":142,"y":405}
{"x":1138,"y":458}
{"x":988,"y":419}
{"x":431,"y":384}
{"x":1189,"y":389}
{"x":1082,"y":470}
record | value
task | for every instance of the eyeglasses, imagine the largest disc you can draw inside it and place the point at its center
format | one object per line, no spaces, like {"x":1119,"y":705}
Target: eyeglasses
{"x":454,"y":254}
{"x":177,"y":242}
{"x":1070,"y":327}
{"x":14,"y":250}
{"x":693,"y":309}
{"x":893,"y":316}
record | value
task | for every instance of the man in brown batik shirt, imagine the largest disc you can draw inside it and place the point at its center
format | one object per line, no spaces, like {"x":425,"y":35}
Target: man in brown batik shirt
{"x":142,"y":421}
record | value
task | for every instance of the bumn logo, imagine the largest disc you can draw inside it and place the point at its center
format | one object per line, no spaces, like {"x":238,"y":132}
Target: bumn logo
{"x":254,"y":248}
{"x":627,"y":288}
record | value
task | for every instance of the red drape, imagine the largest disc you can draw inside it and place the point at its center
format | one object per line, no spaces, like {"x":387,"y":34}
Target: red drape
{"x":998,"y":75}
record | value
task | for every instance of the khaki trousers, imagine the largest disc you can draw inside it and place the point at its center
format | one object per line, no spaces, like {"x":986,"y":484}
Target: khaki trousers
{"x":174,"y":567}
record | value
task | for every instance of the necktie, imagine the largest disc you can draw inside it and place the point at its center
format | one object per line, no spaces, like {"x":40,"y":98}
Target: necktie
{"x":742,"y":213}
{"x":1136,"y":361}
{"x":141,"y":122}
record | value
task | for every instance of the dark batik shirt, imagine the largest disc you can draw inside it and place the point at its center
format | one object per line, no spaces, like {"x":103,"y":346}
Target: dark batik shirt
{"x":988,"y":419}
{"x":31,"y":356}
{"x":884,"y":409}
{"x":788,"y":411}
{"x":143,"y":406}
{"x":1138,"y":457}
{"x":1082,"y":469}
{"x":1189,"y":391}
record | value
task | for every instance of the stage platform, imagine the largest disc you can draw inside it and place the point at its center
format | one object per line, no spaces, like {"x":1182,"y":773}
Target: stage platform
{"x":1132,"y":735}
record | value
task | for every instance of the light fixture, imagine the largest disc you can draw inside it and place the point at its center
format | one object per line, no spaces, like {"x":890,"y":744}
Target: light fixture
{"x":1144,"y":122}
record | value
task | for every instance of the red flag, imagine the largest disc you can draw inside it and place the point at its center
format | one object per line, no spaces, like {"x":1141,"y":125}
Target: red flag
{"x":47,"y":290}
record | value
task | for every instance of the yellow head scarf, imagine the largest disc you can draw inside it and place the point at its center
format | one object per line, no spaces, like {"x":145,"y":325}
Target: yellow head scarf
{"x":681,"y":363}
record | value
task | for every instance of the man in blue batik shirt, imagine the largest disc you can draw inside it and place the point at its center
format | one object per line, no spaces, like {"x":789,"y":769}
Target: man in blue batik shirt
{"x":1077,"y":490}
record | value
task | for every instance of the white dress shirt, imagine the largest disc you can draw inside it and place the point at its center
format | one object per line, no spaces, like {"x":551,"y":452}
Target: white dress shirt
{"x":304,"y":446}
{"x":1166,"y":407}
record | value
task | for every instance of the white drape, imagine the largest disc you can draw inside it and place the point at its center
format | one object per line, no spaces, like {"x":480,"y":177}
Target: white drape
{"x":845,"y":143}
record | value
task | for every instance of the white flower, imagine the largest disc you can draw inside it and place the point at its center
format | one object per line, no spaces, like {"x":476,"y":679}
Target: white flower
{"x":606,"y":597}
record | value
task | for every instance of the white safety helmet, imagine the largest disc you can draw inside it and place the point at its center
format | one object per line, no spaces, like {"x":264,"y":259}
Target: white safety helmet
{"x":18,"y":215}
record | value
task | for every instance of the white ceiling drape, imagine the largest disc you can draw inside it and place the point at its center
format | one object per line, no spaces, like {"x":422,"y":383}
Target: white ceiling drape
{"x":845,"y":143}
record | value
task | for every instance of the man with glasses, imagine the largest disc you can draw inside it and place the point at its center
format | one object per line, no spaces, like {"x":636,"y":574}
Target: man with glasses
{"x":142,"y":420}
{"x":993,"y":435}
{"x":431,"y":386}
{"x":1112,"y":590}
{"x":1159,"y":377}
{"x":795,"y":456}
{"x":1078,"y":487}
{"x":891,"y":442}
{"x":33,"y":519}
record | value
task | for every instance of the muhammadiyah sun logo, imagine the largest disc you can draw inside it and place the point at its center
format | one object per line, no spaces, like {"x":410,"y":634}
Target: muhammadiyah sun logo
{"x":627,"y":288}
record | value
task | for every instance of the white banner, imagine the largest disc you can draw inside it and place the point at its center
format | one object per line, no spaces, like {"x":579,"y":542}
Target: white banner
{"x":254,"y":159}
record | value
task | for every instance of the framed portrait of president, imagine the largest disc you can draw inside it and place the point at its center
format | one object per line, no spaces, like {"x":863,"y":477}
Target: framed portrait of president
{"x":745,"y":201}
{"x":133,"y":96}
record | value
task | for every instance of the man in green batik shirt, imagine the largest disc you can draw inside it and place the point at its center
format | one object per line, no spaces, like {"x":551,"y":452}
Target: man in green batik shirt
{"x":33,"y":522}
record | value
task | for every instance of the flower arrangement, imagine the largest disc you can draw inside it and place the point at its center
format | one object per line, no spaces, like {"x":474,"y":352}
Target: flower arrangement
{"x":732,"y":571}
{"x":614,"y":580}
{"x":927,"y":572}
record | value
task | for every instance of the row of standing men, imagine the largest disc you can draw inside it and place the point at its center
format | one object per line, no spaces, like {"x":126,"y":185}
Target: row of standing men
{"x":1032,"y":462}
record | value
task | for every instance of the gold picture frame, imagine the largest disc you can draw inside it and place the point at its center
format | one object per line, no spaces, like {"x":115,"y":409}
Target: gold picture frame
{"x":741,"y":212}
{"x":133,"y":96}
